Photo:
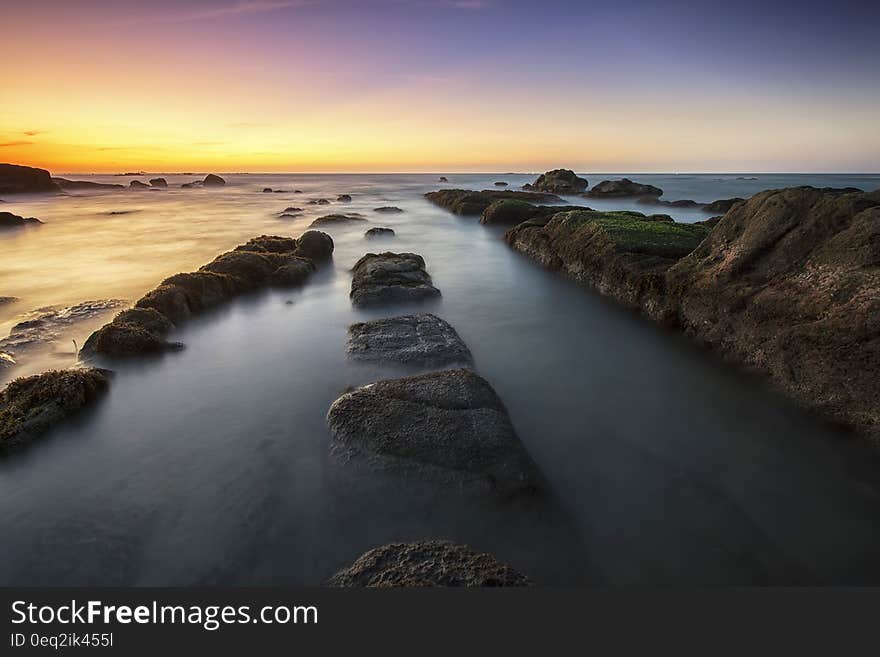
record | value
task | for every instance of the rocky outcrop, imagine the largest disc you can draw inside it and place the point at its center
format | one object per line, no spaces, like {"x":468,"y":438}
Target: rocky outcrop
{"x":137,"y":184}
{"x":337,"y":220}
{"x":442,"y":179}
{"x":30,"y":406}
{"x":448,"y":428}
{"x":212,"y":180}
{"x":622,"y":188}
{"x":466,"y":201}
{"x":158,"y":182}
{"x":344,"y":198}
{"x":624,"y":255}
{"x":267,"y":190}
{"x":558,"y":181}
{"x":509,"y":212}
{"x":788,"y":284}
{"x":388,"y":209}
{"x":17,"y":179}
{"x":379,"y":232}
{"x":421,"y":339}
{"x":390,"y":278}
{"x":264,"y":260}
{"x":721,"y":206}
{"x":427,"y":563}
{"x":72,"y":185}
{"x":9,"y":220}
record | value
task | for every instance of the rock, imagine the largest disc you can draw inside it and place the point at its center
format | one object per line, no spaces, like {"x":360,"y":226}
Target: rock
{"x":501,"y":184}
{"x":558,"y":181}
{"x":344,"y":198}
{"x":622,"y":188}
{"x":187,"y":186}
{"x":787,"y":284}
{"x":379,"y":232}
{"x":133,"y":331}
{"x":388,"y":209}
{"x":336,"y":219}
{"x":9,"y":220}
{"x":315,"y":245}
{"x":721,"y":206}
{"x":16,"y":179}
{"x":390,"y":278}
{"x":442,"y":179}
{"x":297,"y":191}
{"x":7,"y":361}
{"x":5,"y":300}
{"x":427,"y":563}
{"x":47,"y":325}
{"x":158,"y":182}
{"x":280,"y":191}
{"x":319,"y":201}
{"x":294,"y":272}
{"x":212,"y":180}
{"x":683,"y":203}
{"x":466,"y":201}
{"x":422,"y":339}
{"x":169,"y":300}
{"x":32,"y":405}
{"x":137,"y":184}
{"x":624,"y":255}
{"x":269,"y":244}
{"x":267,"y":190}
{"x":508,"y":212}
{"x":65,"y":184}
{"x":290,"y":210}
{"x":448,"y":428}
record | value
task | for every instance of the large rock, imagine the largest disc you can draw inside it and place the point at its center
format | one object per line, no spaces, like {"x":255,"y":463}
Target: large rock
{"x":133,"y":331}
{"x":623,"y":188}
{"x":623,"y":255}
{"x":559,"y":181}
{"x":509,"y":212}
{"x":390,"y":278}
{"x":212,"y":180}
{"x":315,"y":245}
{"x":427,"y":563}
{"x":16,"y":179}
{"x":32,"y":405}
{"x":788,"y":283}
{"x":445,"y":427}
{"x":466,"y":201}
{"x":9,"y":220}
{"x":337,"y":220}
{"x":66,"y":184}
{"x":422,"y":339}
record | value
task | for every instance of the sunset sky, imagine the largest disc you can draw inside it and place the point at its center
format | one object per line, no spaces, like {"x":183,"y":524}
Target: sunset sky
{"x":440,"y":85}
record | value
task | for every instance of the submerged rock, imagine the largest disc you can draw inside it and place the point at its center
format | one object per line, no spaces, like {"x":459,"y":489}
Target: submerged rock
{"x":32,"y":405}
{"x":344,"y":198}
{"x":427,"y":563}
{"x":267,"y":190}
{"x":5,"y":300}
{"x":388,"y":209}
{"x":466,"y":201}
{"x":442,"y":179}
{"x":422,"y":339}
{"x":212,"y":180}
{"x":65,"y":184}
{"x":9,"y":220}
{"x":379,"y":232}
{"x":158,"y":182}
{"x":17,"y":179}
{"x":319,"y":201}
{"x":682,"y":203}
{"x":447,"y":427}
{"x":337,"y":219}
{"x":290,"y":209}
{"x":390,"y":278}
{"x":721,"y":206}
{"x":509,"y":212}
{"x":558,"y":181}
{"x":501,"y":183}
{"x":137,"y":184}
{"x":623,"y":188}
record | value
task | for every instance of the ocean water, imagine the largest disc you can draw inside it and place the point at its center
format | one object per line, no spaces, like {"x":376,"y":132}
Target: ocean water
{"x":210,"y":465}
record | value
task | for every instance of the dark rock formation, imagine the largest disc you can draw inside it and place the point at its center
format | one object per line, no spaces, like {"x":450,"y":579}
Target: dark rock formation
{"x":422,"y":339}
{"x":721,"y":206}
{"x":442,"y":179}
{"x":264,"y":260}
{"x":32,"y":405}
{"x":788,"y":284}
{"x":466,"y":201}
{"x":290,"y":209}
{"x":212,"y":180}
{"x":344,"y":198}
{"x":501,"y":183}
{"x":267,"y":190}
{"x":16,"y":179}
{"x":9,"y":220}
{"x":47,"y":325}
{"x":187,"y":186}
{"x":379,"y":232}
{"x":5,"y":300}
{"x":622,"y":188}
{"x":137,"y":184}
{"x":427,"y":563}
{"x":558,"y":181}
{"x":683,"y":203}
{"x":390,"y":278}
{"x":509,"y":212}
{"x":624,"y":255}
{"x":388,"y":209}
{"x":158,"y":182}
{"x":337,"y":219}
{"x":319,"y":201}
{"x":448,"y":428}
{"x":65,"y":184}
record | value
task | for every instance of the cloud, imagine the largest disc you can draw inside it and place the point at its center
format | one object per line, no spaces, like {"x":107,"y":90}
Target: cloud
{"x":238,"y":8}
{"x":33,"y":133}
{"x":15,"y":143}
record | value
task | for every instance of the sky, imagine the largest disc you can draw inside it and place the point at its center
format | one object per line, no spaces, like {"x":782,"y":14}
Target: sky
{"x":440,"y":85}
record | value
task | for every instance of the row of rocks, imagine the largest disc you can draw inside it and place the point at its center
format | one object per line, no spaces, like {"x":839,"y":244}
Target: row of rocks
{"x":786,"y":283}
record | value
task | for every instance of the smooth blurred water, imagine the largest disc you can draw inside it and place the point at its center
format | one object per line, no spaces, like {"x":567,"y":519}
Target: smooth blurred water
{"x":209,"y":465}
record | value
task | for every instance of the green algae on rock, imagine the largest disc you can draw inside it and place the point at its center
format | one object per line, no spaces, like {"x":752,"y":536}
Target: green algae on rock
{"x":468,"y":201}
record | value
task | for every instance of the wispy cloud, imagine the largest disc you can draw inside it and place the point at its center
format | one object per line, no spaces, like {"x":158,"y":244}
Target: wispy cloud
{"x":15,"y":143}
{"x":33,"y":133}
{"x":239,"y":8}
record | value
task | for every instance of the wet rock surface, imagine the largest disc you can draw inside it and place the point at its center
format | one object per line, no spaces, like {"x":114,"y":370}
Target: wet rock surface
{"x":390,"y":278}
{"x":427,"y":563}
{"x":558,"y":181}
{"x":422,"y":339}
{"x":623,"y":188}
{"x":446,"y":427}
{"x":32,"y":405}
{"x":467,"y":202}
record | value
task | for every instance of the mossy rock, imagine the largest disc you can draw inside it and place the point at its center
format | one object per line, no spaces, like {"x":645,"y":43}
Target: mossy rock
{"x":469,"y":202}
